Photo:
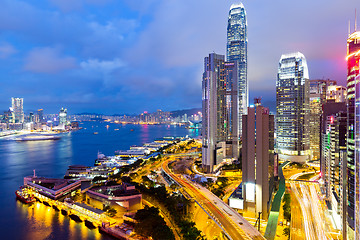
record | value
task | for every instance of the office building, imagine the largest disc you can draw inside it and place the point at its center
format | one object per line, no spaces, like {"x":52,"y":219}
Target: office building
{"x":17,"y":107}
{"x":334,"y":144}
{"x":236,"y":50}
{"x":318,"y":96}
{"x":40,"y":116}
{"x":63,"y":116}
{"x":31,"y":117}
{"x":329,"y":108}
{"x":258,"y":160}
{"x":292,"y":108}
{"x":353,"y":138}
{"x":219,"y":109}
{"x":336,"y":93}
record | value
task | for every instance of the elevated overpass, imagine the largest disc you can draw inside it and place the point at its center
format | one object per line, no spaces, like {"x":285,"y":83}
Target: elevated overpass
{"x":231,"y":222}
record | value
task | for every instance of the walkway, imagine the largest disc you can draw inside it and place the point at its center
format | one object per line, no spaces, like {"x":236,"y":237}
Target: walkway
{"x":275,"y":208}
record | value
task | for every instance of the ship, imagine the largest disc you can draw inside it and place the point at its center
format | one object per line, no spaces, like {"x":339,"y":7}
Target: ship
{"x":24,"y":196}
{"x":38,"y":138}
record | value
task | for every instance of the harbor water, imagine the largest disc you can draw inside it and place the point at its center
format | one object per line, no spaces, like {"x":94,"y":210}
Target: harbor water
{"x":51,"y":159}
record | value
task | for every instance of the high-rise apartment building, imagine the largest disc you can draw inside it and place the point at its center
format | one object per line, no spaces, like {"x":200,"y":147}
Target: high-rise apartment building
{"x":236,"y":50}
{"x":292,"y":108}
{"x":353,"y":136}
{"x":258,"y":160}
{"x":220,"y":111}
{"x":17,"y":107}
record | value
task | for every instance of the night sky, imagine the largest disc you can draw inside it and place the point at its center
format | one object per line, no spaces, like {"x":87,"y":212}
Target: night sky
{"x":129,"y":56}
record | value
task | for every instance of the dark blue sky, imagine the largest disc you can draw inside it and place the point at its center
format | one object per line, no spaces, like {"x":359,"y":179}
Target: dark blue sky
{"x":126,"y":56}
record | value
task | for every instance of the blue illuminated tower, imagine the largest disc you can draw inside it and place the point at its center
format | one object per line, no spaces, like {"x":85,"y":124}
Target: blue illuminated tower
{"x":237,"y":51}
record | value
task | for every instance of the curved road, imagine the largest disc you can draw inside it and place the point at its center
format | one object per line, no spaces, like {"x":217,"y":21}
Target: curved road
{"x":233,"y":230}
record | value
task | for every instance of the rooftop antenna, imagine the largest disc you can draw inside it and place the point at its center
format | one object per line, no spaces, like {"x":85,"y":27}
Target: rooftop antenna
{"x":355,"y":20}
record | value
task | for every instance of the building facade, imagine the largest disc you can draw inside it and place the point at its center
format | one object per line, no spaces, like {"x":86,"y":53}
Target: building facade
{"x":220,"y":132}
{"x":236,"y":50}
{"x":318,"y":96}
{"x":63,"y":116}
{"x":258,"y":160}
{"x":353,"y":138}
{"x":336,"y":93}
{"x":334,"y":144}
{"x":17,"y":107}
{"x":292,"y":108}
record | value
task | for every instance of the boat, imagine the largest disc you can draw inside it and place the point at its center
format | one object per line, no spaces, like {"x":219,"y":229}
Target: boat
{"x":38,"y":138}
{"x":89,"y":224}
{"x":96,"y":133}
{"x":132,"y":130}
{"x":24,"y":196}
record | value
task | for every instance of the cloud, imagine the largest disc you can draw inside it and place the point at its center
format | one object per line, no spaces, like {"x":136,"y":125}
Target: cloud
{"x":6,"y":50}
{"x":73,"y":5}
{"x":48,"y":60}
{"x":102,"y":66}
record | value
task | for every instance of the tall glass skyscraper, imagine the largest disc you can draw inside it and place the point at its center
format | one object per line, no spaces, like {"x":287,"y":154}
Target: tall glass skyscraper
{"x":292,"y":108}
{"x":220,"y":136}
{"x":353,"y":136}
{"x":236,"y":51}
{"x":17,"y":106}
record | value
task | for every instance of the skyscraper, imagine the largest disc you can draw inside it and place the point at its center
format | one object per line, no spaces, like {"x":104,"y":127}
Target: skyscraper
{"x":237,"y":51}
{"x":292,"y":108}
{"x":62,"y":116}
{"x":353,"y":136}
{"x":318,"y":97}
{"x":334,"y":143}
{"x":17,"y":106}
{"x":219,"y":106}
{"x":258,"y":160}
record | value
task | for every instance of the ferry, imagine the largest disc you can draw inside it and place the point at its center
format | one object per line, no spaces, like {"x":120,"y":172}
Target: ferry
{"x":38,"y":138}
{"x":24,"y":196}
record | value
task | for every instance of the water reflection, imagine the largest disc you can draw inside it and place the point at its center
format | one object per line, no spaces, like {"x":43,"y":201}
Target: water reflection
{"x":43,"y":222}
{"x":51,"y":159}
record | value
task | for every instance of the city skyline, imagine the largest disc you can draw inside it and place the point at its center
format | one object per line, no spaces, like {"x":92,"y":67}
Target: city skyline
{"x":114,"y":56}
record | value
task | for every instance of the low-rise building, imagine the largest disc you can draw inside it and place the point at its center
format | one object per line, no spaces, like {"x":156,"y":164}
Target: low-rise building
{"x":123,"y":197}
{"x":53,"y":188}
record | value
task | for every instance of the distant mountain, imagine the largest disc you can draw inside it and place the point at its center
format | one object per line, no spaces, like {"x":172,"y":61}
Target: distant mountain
{"x":189,"y":112}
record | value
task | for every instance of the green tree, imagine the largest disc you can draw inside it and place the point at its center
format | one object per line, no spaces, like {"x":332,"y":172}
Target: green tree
{"x":286,"y":232}
{"x":151,"y":224}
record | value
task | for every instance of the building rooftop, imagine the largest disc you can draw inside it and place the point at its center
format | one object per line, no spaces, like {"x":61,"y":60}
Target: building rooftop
{"x":123,"y":189}
{"x":95,"y":210}
{"x":237,"y":5}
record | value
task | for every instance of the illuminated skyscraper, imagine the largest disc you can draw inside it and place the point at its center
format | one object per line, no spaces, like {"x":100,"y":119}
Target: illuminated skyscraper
{"x":258,"y":160}
{"x":237,"y":51}
{"x":219,"y":109}
{"x":292,"y":108}
{"x":353,"y":136}
{"x":318,"y":97}
{"x":17,"y":107}
{"x":40,"y":115}
{"x":62,"y":116}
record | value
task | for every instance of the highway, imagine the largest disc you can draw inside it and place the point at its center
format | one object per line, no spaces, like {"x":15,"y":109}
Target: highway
{"x":222,"y":213}
{"x":312,"y":212}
